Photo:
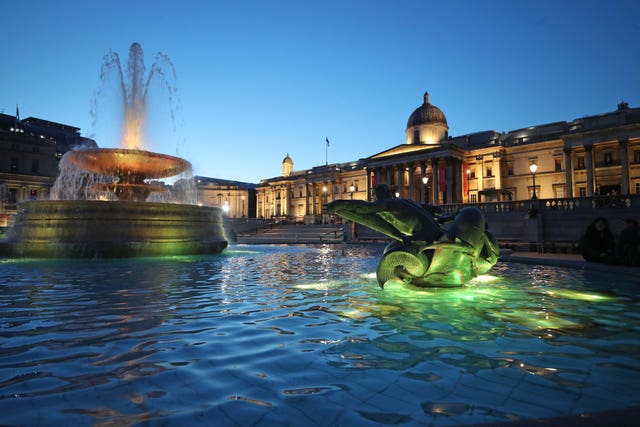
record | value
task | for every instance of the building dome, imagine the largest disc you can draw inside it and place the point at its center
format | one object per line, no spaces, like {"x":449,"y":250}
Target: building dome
{"x":427,"y":124}
{"x":287,"y":166}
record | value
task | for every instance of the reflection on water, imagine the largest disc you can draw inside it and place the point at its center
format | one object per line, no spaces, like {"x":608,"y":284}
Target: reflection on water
{"x":264,"y":334}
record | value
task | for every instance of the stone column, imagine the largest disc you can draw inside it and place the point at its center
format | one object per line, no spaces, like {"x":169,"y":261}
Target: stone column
{"x":306,"y":198}
{"x":399,"y":173}
{"x":423,"y":188}
{"x":589,"y":163}
{"x":313,"y":198}
{"x":450,"y":184}
{"x":388,"y":176}
{"x":284,"y":199}
{"x":497,"y":173}
{"x":436,"y":190}
{"x":624,"y":163}
{"x":412,"y":171}
{"x":568,"y":173}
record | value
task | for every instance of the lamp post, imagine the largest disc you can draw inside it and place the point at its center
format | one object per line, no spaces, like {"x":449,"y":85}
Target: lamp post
{"x":533,"y":168}
{"x":324,"y":201}
{"x":352,"y":188}
{"x":468,"y":188}
{"x":425,"y":189}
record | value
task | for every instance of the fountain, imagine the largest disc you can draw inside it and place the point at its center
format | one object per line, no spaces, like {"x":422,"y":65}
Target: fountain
{"x":99,"y":204}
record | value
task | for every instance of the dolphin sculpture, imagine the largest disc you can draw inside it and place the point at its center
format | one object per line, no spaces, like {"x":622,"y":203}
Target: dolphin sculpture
{"x":423,"y":253}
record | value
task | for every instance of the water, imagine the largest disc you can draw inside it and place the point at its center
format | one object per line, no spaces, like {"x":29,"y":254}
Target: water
{"x":284,"y":335}
{"x":133,"y":86}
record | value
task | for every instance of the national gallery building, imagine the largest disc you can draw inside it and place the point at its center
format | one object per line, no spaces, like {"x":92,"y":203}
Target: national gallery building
{"x":589,"y":156}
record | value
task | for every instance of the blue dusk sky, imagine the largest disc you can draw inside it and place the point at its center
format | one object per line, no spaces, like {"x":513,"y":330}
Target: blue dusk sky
{"x":257,"y":80}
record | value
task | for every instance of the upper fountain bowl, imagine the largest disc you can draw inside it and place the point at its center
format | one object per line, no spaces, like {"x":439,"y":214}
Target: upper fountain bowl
{"x":120,"y":162}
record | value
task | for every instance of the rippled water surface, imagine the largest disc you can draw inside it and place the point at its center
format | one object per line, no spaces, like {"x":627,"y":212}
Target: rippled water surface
{"x":296,"y":335}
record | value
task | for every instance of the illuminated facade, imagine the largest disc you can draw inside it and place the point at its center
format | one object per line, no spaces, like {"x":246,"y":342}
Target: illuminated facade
{"x":301,"y":195}
{"x":29,"y":153}
{"x":593,"y":155}
{"x":236,"y":199}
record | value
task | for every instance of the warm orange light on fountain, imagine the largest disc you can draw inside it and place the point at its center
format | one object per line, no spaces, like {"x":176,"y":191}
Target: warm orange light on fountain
{"x":132,"y":137}
{"x":129,"y":169}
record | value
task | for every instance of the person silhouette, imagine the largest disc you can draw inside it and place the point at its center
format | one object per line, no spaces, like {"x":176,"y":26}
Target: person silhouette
{"x":597,"y":244}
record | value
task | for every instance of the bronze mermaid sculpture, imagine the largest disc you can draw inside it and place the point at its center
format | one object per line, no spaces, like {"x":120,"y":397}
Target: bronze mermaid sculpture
{"x":423,"y":252}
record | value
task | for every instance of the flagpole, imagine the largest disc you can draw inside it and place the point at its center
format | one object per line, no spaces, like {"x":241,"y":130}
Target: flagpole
{"x":17,"y":120}
{"x":326,"y":153}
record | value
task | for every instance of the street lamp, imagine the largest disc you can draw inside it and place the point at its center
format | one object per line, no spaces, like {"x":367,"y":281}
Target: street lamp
{"x":324,"y":201}
{"x":468,"y":188}
{"x":425,"y":189}
{"x":352,"y":188}
{"x":533,"y":168}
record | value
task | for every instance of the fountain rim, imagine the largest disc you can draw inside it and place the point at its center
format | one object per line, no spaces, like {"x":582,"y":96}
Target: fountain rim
{"x":118,"y":161}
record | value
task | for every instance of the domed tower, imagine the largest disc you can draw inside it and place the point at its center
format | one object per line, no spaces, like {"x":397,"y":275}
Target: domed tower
{"x":427,"y":124}
{"x":287,"y":166}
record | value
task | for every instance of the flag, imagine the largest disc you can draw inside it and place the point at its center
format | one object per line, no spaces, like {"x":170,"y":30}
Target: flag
{"x":442,"y":178}
{"x":327,"y":141}
{"x":465,"y":182}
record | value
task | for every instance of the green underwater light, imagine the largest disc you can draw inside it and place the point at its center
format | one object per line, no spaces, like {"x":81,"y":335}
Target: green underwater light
{"x":536,"y":319}
{"x":579,"y":295}
{"x":486,"y":278}
{"x":236,"y":251}
{"x":320,"y":286}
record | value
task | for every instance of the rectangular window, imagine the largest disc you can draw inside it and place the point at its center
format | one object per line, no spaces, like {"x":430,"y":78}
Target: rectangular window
{"x":14,"y":164}
{"x":580,"y":163}
{"x":582,"y":191}
{"x":489,"y":172}
{"x":636,"y":156}
{"x":510,"y":169}
{"x":558,"y":164}
{"x":473,"y":198}
{"x":608,"y":158}
{"x":13,"y":195}
{"x":637,"y":187}
{"x":35,"y":166}
{"x":558,"y":191}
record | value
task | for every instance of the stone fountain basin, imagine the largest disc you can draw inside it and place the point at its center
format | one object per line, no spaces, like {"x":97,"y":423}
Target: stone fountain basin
{"x":121,"y":162}
{"x":113,"y":229}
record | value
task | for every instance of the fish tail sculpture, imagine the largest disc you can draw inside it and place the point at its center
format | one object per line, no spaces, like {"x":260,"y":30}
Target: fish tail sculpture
{"x":400,"y":262}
